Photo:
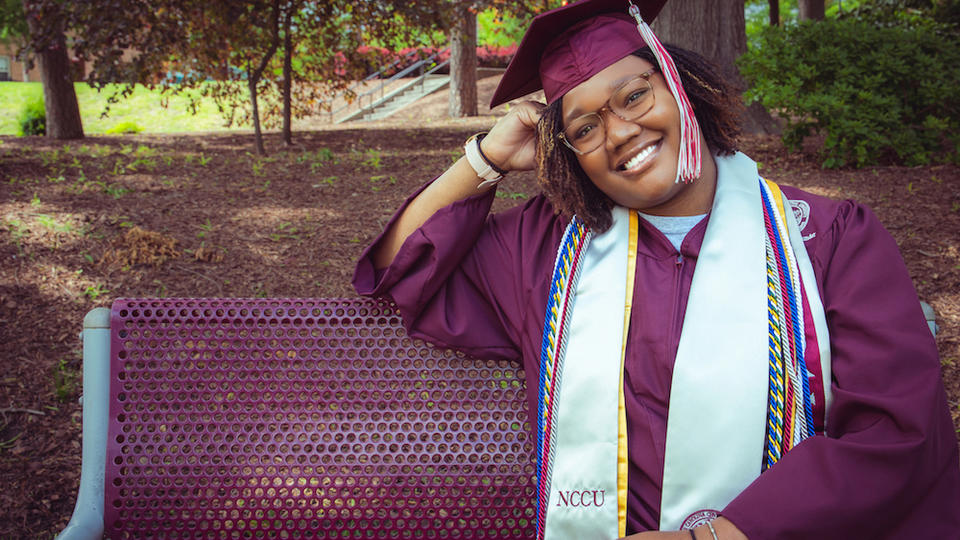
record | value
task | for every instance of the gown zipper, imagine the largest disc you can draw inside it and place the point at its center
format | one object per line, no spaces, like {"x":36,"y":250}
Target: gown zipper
{"x":678,"y":274}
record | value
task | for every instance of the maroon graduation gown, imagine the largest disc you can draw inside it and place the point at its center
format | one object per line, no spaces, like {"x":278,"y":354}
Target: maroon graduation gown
{"x":888,"y":467}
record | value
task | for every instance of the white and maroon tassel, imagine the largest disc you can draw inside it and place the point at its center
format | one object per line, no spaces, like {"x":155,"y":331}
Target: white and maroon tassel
{"x":688,"y":164}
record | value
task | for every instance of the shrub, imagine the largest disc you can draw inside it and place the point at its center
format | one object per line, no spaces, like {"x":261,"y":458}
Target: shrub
{"x":33,"y":118}
{"x":877,"y":94}
{"x":125,"y":127}
{"x":942,"y":13}
{"x":494,"y":56}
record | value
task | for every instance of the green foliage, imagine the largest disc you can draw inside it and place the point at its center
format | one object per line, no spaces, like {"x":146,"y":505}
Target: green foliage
{"x":879,"y":12}
{"x":66,"y":381}
{"x":499,"y":28}
{"x":372,"y":158}
{"x":18,"y":231}
{"x":95,"y":291}
{"x":286,"y":231}
{"x":12,"y":21}
{"x":877,"y":94}
{"x":905,"y":12}
{"x":512,"y":195}
{"x":205,"y":229}
{"x":411,"y":36}
{"x":124,"y":127}
{"x":318,"y":159}
{"x":33,"y":118}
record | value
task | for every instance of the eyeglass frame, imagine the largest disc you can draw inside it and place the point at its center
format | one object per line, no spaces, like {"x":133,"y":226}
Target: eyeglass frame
{"x":599,"y":112}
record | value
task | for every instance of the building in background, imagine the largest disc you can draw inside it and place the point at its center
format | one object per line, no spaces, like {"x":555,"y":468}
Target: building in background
{"x":11,"y":68}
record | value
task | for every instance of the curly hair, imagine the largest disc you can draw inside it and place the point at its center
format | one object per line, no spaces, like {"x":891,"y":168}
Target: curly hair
{"x":716,"y":105}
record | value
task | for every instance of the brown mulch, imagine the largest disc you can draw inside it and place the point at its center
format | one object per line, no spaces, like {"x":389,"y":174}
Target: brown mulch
{"x":85,"y":222}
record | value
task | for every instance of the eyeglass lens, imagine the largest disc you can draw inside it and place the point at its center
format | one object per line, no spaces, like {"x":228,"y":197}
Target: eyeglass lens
{"x":631,"y":101}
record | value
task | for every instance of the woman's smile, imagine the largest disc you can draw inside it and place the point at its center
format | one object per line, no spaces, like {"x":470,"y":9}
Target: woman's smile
{"x":641,"y":159}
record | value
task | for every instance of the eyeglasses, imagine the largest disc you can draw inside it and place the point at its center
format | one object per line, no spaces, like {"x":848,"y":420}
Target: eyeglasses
{"x":629,"y":102}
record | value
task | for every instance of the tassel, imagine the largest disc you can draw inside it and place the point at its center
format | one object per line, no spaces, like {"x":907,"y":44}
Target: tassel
{"x":688,"y":164}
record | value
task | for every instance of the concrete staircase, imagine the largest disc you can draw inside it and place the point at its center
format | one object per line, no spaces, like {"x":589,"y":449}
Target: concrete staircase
{"x":399,"y":98}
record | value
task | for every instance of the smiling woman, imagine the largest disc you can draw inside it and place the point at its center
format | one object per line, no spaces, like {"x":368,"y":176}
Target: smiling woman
{"x":570,"y":188}
{"x":734,"y":353}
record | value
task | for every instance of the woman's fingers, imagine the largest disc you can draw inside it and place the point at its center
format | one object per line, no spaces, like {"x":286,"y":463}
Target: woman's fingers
{"x":531,"y":113}
{"x":511,"y":144}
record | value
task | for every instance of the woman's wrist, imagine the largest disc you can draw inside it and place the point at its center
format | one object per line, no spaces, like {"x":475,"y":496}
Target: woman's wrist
{"x":495,"y":161}
{"x":485,"y":169}
{"x":705,"y":532}
{"x":722,"y":529}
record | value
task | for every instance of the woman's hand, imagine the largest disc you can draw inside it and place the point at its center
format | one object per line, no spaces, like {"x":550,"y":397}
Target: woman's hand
{"x":725,"y":528}
{"x":512,"y":143}
{"x":660,"y":535}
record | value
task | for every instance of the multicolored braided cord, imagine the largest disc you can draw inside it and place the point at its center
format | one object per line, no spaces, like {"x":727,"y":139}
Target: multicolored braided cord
{"x":566,"y":273}
{"x":790,"y":413}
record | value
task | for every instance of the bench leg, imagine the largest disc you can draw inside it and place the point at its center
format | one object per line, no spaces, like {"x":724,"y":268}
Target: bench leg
{"x":87,"y":519}
{"x":931,"y":317}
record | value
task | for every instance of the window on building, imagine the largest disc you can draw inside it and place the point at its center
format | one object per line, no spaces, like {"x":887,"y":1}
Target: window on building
{"x":4,"y":68}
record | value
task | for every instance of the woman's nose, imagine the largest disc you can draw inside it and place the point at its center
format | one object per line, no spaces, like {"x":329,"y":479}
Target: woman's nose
{"x":619,"y":130}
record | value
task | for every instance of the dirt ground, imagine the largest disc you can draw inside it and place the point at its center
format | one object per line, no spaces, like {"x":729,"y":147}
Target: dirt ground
{"x":198,"y":215}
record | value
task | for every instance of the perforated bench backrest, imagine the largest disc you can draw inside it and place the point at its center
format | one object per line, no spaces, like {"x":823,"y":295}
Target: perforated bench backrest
{"x":261,"y":418}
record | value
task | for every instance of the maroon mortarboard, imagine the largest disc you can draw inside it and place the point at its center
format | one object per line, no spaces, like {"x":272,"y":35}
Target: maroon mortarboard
{"x":566,"y":46}
{"x":588,"y":35}
{"x":584,"y":50}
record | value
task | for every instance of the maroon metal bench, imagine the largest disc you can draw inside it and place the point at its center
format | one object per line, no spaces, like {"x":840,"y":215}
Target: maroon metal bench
{"x":288,"y":418}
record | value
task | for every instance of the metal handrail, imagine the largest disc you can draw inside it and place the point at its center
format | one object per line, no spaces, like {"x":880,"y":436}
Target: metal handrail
{"x":373,"y":75}
{"x":419,"y":80}
{"x":423,"y":76}
{"x":417,"y":65}
{"x":379,"y":71}
{"x":438,"y":66}
{"x":406,"y":71}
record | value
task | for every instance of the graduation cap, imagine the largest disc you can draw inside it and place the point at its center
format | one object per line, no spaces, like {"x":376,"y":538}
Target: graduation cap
{"x":566,"y":46}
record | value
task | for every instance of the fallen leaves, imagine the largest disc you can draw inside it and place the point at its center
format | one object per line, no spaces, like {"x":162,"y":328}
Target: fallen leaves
{"x":140,"y":246}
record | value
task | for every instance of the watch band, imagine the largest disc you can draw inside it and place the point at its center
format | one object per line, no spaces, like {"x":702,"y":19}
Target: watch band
{"x":484,"y":169}
{"x":489,"y":162}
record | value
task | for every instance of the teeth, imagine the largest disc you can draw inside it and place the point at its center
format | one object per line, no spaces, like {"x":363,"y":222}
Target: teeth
{"x":637,"y":159}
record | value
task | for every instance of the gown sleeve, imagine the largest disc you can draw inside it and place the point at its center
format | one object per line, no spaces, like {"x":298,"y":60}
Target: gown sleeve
{"x":888,"y":465}
{"x":458,"y":281}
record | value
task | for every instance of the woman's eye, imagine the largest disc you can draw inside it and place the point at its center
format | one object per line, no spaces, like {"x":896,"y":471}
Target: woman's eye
{"x":636,"y":96}
{"x":583,"y":131}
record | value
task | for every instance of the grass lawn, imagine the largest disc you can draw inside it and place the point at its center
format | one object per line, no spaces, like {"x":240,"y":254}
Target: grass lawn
{"x":143,"y":107}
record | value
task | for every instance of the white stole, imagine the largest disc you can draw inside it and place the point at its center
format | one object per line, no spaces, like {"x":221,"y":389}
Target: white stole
{"x":585,"y":461}
{"x":718,"y":395}
{"x":718,"y":399}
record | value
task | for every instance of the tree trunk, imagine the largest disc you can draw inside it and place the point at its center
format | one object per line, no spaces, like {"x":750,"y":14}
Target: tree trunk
{"x":774,"y":12}
{"x":255,"y":109}
{"x":256,"y":74}
{"x":812,"y":10}
{"x":463,"y":65}
{"x":59,"y":95}
{"x":287,"y":78}
{"x":717,"y":31}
